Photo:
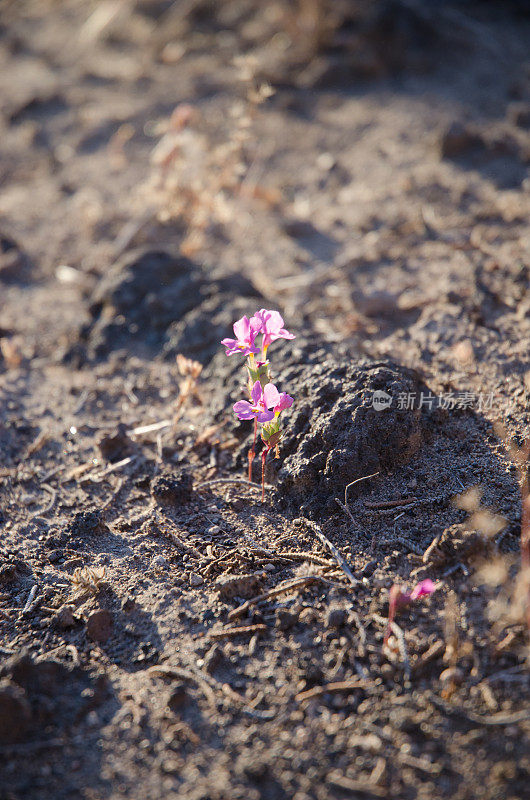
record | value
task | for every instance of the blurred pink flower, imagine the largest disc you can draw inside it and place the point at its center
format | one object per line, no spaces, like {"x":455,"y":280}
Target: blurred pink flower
{"x":422,"y":589}
{"x":397,"y":598}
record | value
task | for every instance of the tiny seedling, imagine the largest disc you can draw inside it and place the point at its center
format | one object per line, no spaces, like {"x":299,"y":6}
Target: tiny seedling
{"x":265,"y":403}
{"x":398,"y":598}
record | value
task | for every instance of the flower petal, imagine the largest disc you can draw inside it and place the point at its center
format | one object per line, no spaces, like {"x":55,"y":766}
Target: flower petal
{"x":281,"y":334}
{"x":272,"y":320}
{"x":241,"y":328}
{"x":271,"y":395}
{"x":256,"y":325}
{"x":423,"y":588}
{"x":284,"y":401}
{"x":257,"y":393}
{"x":243,"y":409}
{"x":265,"y":416}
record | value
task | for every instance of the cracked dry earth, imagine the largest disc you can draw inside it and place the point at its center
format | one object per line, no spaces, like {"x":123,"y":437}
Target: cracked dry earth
{"x":135,"y":659}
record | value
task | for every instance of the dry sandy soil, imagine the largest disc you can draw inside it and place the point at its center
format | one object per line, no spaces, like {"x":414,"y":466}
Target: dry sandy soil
{"x":380,"y":199}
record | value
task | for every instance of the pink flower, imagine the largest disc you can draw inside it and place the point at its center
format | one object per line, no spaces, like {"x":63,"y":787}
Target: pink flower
{"x":275,"y":400}
{"x":246,"y":331}
{"x":397,"y":598}
{"x":422,"y":589}
{"x":271,"y":326}
{"x":257,"y":408}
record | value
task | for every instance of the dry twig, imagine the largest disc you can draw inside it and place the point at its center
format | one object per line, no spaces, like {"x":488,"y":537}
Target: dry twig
{"x":241,"y":630}
{"x":294,"y":585}
{"x":335,"y":553}
{"x":331,"y":688}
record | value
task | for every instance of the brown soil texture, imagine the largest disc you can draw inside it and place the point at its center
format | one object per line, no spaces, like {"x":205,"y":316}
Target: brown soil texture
{"x":163,"y":633}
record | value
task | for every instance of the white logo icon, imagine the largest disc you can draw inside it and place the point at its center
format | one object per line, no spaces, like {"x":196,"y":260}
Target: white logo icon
{"x":381,"y":400}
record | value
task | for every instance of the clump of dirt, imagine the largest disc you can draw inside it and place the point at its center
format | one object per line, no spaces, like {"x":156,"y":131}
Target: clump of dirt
{"x":338,"y":431}
{"x":198,"y":333}
{"x":37,"y":694}
{"x":336,"y":435}
{"x":340,"y":427}
{"x":139,"y":298}
{"x":154,"y":298}
{"x":172,"y":489}
{"x":502,"y":156}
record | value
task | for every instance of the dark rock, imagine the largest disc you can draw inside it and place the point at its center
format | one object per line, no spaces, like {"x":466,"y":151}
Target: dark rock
{"x":55,"y":542}
{"x":115,"y":445}
{"x":15,"y":712}
{"x":335,"y":434}
{"x":214,"y":658}
{"x":199,"y":333}
{"x":86,"y":523}
{"x":139,"y":297}
{"x":369,"y":568}
{"x":172,"y":489}
{"x":458,"y":139}
{"x":155,"y":298}
{"x":100,"y":625}
{"x":8,"y":573}
{"x":335,"y":618}
{"x":64,"y":618}
{"x":285,"y":619}
{"x":177,"y":697}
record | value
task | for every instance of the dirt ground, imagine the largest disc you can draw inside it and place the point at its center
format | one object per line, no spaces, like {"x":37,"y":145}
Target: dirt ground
{"x":163,"y":633}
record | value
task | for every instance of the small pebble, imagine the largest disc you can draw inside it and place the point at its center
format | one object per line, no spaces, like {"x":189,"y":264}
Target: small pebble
{"x":452,"y":675}
{"x":159,"y":561}
{"x":177,"y":697}
{"x":285,"y":619}
{"x":195,"y":579}
{"x":99,"y":625}
{"x":214,"y":658}
{"x":336,"y":618}
{"x":64,"y":618}
{"x":214,"y":530}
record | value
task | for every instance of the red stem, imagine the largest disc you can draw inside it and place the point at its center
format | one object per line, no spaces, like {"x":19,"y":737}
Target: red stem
{"x":263,"y":457}
{"x":252,"y":451}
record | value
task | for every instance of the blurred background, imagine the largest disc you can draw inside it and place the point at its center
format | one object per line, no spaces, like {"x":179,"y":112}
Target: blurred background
{"x":364,"y":164}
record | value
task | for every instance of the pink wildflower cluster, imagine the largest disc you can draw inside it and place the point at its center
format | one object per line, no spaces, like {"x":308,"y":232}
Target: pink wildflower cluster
{"x":265,"y":403}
